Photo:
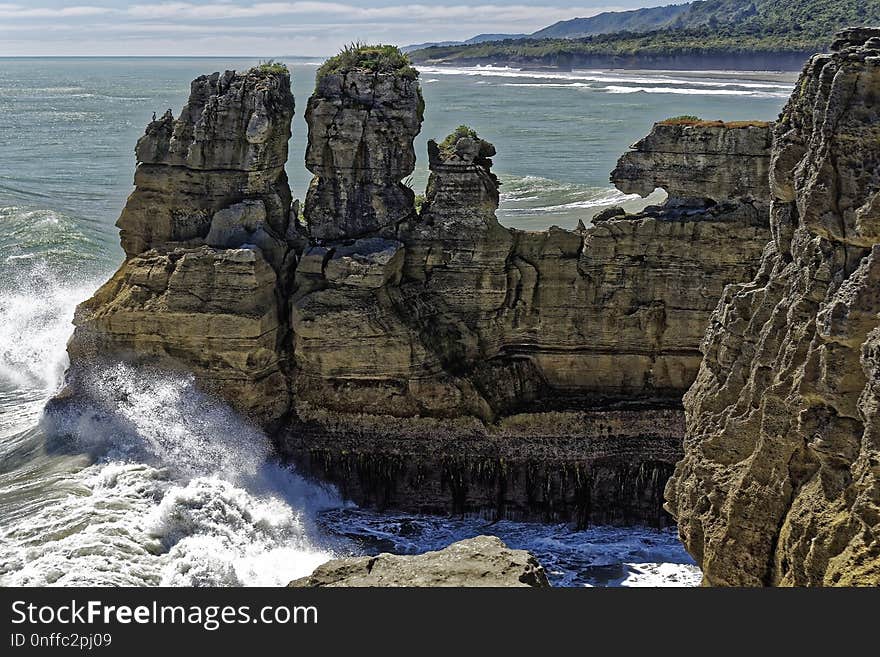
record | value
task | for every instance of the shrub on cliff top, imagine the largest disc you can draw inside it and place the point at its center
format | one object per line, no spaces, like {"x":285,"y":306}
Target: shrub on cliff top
{"x":690,"y":120}
{"x":371,"y":59}
{"x":447,"y":146}
{"x":684,"y":118}
{"x":271,"y":66}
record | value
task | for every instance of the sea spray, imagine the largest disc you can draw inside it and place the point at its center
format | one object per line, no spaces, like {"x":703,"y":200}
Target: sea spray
{"x":35,"y":322}
{"x":205,"y":500}
{"x":143,"y":479}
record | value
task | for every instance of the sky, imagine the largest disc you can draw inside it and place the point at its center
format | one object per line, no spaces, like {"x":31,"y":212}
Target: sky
{"x":249,"y":28}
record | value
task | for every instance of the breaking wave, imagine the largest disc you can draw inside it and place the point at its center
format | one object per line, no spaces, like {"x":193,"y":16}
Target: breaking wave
{"x":150,"y":482}
{"x":718,"y":84}
{"x":533,"y":202}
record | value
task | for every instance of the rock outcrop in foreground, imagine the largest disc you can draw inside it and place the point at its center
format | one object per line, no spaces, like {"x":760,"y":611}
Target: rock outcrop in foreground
{"x":780,"y":484}
{"x":433,"y":361}
{"x":480,"y":561}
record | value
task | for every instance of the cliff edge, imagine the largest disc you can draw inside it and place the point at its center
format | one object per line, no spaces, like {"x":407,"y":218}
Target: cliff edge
{"x":780,"y":483}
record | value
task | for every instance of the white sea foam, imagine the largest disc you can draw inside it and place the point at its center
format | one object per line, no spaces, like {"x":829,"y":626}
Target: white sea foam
{"x":734,"y":79}
{"x":609,"y":198}
{"x":35,"y":321}
{"x":183,"y":492}
{"x":596,"y":556}
{"x":180,"y":490}
{"x":618,"y":89}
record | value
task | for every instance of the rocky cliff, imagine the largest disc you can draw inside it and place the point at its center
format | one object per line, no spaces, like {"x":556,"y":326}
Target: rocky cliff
{"x":207,"y":247}
{"x":452,"y":363}
{"x":780,"y":484}
{"x":429,"y":361}
{"x":693,"y":159}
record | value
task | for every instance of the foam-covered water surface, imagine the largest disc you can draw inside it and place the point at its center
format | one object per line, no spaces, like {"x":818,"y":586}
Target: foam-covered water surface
{"x":597,"y":556}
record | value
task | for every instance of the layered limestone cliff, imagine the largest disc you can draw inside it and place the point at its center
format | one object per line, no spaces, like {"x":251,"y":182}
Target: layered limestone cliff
{"x":431,"y":361}
{"x":205,"y":234}
{"x":693,"y":159}
{"x":445,"y":362}
{"x":361,"y":130}
{"x":780,"y":484}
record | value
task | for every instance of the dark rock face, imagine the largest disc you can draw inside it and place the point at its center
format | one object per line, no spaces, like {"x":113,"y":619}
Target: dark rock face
{"x":361,"y":131}
{"x":780,"y":483}
{"x":431,"y":362}
{"x":590,"y":466}
{"x":480,"y":561}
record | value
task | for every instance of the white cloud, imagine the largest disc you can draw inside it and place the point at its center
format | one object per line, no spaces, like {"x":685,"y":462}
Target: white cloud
{"x":19,"y":11}
{"x":218,"y":28}
{"x":345,"y":12}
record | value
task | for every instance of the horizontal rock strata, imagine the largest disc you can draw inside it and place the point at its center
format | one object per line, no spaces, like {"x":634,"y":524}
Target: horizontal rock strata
{"x":475,"y":368}
{"x":205,"y":234}
{"x":592,"y":466}
{"x":693,"y":159}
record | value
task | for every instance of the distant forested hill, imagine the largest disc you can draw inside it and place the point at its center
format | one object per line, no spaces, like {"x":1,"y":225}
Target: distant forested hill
{"x":637,"y":20}
{"x":778,"y":32}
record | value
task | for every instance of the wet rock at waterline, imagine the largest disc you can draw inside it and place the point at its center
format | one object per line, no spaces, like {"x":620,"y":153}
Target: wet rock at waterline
{"x":480,"y":561}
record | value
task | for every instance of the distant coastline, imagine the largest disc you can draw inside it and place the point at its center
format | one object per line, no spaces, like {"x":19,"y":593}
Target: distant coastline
{"x":762,"y":61}
{"x":777,"y":35}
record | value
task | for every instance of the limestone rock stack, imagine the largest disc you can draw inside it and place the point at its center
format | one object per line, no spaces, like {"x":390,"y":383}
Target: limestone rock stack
{"x":206,"y":240}
{"x":358,"y":347}
{"x":225,"y":153}
{"x":780,"y":484}
{"x":457,"y":250}
{"x":617,"y":310}
{"x":361,"y":130}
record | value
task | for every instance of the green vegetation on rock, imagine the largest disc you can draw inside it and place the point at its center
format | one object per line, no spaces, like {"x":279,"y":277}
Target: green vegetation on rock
{"x":420,"y":201}
{"x":690,"y":120}
{"x":447,"y":146}
{"x":271,"y":66}
{"x":370,"y":59}
{"x":684,"y":118}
